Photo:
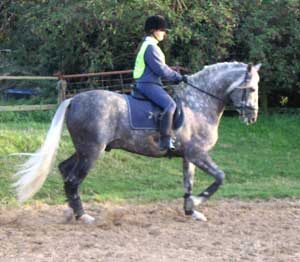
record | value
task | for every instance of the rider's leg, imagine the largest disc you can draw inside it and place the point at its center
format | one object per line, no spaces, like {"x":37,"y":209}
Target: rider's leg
{"x":160,"y":97}
{"x":166,"y":123}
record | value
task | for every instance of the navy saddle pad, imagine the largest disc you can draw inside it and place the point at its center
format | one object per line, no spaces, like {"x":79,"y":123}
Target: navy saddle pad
{"x":143,"y":114}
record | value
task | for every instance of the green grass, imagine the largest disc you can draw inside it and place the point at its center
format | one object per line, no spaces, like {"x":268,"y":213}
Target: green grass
{"x":260,"y":161}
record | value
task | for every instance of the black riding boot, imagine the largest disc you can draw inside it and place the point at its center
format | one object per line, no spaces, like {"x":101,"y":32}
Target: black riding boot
{"x":166,"y":123}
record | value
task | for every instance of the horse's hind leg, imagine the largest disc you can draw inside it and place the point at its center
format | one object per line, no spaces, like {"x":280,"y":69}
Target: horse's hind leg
{"x":74,"y":170}
{"x":65,"y":167}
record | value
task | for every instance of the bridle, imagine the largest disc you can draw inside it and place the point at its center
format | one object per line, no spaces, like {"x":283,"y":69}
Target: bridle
{"x":242,"y":105}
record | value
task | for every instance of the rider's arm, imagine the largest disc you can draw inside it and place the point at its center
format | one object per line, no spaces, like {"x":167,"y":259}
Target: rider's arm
{"x":155,"y":60}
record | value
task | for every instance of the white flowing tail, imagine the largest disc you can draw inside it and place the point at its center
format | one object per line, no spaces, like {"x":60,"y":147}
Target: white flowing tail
{"x":34,"y":172}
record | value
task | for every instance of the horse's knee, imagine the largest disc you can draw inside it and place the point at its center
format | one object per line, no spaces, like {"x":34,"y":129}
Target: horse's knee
{"x":220,"y":177}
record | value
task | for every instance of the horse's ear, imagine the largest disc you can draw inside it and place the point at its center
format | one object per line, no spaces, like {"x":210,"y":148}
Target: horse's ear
{"x":249,"y":67}
{"x":257,"y":67}
{"x":248,"y":73}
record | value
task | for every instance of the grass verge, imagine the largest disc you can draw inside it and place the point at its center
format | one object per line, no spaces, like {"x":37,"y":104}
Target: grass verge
{"x":260,"y":161}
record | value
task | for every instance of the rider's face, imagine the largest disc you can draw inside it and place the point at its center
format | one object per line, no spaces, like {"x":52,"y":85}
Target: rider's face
{"x":159,"y":34}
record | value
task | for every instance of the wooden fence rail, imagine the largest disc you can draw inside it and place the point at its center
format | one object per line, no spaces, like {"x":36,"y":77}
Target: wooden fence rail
{"x":28,"y":78}
{"x":118,"y":81}
{"x":27,"y":107}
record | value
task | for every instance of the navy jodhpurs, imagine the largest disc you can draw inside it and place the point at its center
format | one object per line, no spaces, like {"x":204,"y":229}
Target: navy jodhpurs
{"x":158,"y":96}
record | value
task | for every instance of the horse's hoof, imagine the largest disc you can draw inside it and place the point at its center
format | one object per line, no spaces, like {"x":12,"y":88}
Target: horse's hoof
{"x":198,"y":216}
{"x":68,"y":215}
{"x":86,"y":219}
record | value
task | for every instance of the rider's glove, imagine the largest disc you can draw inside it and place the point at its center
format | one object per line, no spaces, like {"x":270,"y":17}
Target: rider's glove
{"x":184,"y":78}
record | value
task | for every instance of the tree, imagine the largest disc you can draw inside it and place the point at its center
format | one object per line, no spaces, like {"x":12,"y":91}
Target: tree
{"x":269,"y":35}
{"x":47,"y":36}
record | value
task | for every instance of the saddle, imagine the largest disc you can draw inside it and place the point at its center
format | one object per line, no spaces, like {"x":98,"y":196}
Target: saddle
{"x":144,"y":114}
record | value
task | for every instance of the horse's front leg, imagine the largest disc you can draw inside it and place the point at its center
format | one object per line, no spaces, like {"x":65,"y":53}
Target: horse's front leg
{"x":204,"y":162}
{"x":189,"y":200}
{"x":188,"y":182}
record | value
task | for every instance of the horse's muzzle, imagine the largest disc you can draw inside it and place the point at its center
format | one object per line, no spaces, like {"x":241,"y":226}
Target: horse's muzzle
{"x":249,"y":117}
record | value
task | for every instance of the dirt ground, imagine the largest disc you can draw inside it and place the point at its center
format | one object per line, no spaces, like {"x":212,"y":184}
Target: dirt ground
{"x":235,"y":231}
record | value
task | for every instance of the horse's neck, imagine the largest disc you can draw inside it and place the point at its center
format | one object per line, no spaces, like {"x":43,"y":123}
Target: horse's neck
{"x":214,"y":80}
{"x":207,"y":91}
{"x":200,"y":102}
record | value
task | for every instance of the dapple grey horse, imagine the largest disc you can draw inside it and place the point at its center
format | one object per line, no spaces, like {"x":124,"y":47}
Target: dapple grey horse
{"x":99,"y":121}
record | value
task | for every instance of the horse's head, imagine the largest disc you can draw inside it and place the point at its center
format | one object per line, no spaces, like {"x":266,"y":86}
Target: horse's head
{"x":244,"y":94}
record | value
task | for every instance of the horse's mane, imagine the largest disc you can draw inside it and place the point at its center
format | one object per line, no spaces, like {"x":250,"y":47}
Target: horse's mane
{"x":209,"y":72}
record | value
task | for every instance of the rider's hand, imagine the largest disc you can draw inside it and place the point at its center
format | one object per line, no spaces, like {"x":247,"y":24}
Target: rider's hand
{"x":184,"y":78}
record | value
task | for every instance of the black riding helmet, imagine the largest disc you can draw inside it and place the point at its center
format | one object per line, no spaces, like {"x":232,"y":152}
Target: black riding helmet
{"x":155,"y":22}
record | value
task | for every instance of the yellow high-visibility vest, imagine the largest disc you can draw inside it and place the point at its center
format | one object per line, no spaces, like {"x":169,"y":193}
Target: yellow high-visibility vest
{"x":139,"y":66}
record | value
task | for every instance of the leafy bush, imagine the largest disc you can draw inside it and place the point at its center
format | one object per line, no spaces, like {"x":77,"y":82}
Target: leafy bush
{"x":103,"y":35}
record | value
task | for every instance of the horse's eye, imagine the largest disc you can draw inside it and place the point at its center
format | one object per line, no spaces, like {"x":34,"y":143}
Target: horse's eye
{"x":252,"y":89}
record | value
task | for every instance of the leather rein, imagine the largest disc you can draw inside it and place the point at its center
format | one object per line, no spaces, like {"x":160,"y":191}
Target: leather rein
{"x":243,"y":107}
